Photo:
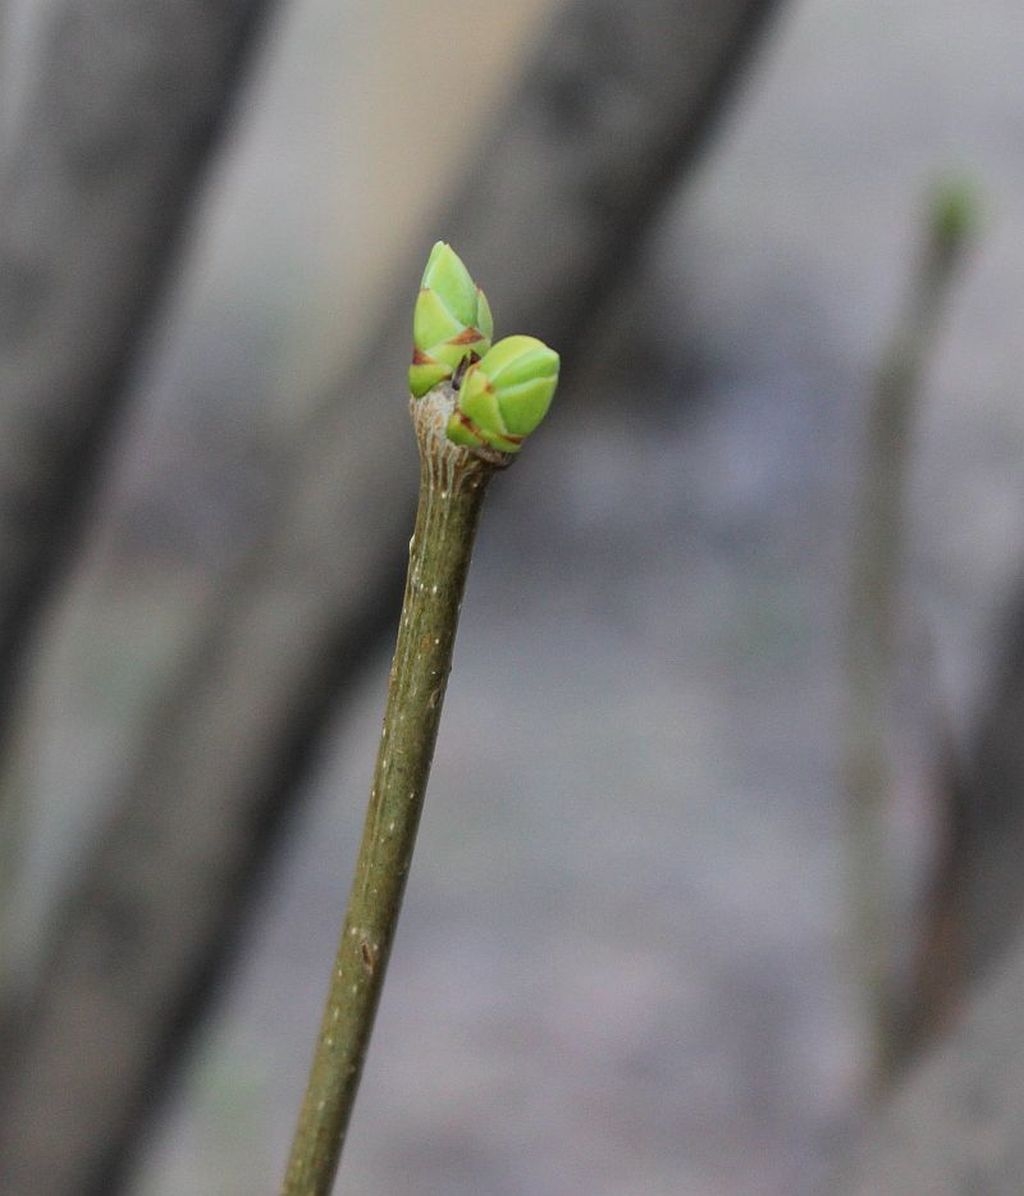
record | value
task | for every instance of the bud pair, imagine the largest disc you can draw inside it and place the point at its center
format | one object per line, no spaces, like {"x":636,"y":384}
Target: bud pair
{"x":502,"y":392}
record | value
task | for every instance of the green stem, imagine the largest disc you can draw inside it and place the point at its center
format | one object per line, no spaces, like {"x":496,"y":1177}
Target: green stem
{"x":452,"y":485}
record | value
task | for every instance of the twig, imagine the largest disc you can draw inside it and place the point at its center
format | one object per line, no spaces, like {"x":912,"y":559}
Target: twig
{"x":872,"y":641}
{"x":468,"y":424}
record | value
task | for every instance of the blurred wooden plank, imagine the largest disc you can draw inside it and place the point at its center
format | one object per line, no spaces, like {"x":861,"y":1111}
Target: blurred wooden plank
{"x":612,"y":107}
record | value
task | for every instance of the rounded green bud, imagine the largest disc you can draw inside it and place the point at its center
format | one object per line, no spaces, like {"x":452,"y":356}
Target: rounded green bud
{"x":451,"y":322}
{"x":505,"y":395}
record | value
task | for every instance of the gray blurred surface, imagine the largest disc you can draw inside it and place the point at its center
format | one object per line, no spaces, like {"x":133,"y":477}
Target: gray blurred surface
{"x":618,"y":969}
{"x":956,"y":1127}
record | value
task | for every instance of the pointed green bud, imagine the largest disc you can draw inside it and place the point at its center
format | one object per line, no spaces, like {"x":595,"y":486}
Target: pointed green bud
{"x":505,"y":395}
{"x":451,"y":322}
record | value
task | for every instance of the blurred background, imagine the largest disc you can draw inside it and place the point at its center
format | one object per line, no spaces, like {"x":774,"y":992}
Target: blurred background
{"x":626,"y":963}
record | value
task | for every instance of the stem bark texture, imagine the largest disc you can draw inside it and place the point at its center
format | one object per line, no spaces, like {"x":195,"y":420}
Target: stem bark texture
{"x":452,"y":485}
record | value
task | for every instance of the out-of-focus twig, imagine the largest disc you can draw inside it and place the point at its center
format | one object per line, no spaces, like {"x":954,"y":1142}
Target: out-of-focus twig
{"x":873,"y":642}
{"x":127,"y":102}
{"x":118,"y":121}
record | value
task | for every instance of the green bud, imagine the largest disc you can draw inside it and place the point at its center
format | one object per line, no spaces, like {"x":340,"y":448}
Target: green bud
{"x":954,"y":212}
{"x":451,"y":322}
{"x":505,"y":395}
